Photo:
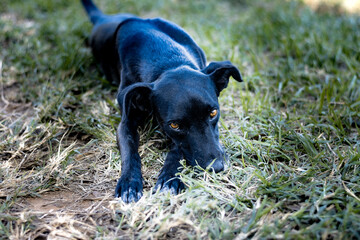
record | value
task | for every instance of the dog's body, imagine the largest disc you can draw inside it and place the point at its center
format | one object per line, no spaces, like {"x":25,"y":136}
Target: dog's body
{"x":162,"y":72}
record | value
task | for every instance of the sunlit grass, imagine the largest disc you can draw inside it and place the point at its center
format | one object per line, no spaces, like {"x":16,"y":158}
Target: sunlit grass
{"x":291,"y":128}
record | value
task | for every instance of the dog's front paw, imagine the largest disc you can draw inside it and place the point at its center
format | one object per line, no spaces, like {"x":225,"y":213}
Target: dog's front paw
{"x":169,"y":183}
{"x":129,"y":189}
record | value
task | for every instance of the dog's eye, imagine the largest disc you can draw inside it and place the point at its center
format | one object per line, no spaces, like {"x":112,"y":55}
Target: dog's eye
{"x":174,"y":126}
{"x":213,"y":113}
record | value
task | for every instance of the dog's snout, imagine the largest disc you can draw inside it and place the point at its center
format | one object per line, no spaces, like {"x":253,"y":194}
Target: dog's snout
{"x":218,"y":166}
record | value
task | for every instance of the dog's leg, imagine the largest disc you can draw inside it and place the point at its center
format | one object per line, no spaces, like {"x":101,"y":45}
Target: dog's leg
{"x":129,"y":186}
{"x":111,"y":71}
{"x":135,"y":106}
{"x":167,"y":180}
{"x":104,"y":49}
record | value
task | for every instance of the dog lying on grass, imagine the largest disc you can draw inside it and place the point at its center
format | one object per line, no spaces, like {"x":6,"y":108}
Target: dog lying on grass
{"x":161,"y":72}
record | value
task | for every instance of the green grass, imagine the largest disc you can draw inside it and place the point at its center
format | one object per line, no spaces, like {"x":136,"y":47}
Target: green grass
{"x":291,"y":128}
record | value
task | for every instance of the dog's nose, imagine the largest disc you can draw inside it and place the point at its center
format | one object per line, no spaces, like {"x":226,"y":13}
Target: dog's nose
{"x":218,"y":166}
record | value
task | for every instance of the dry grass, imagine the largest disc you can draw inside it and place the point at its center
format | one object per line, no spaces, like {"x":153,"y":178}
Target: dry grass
{"x":291,"y":129}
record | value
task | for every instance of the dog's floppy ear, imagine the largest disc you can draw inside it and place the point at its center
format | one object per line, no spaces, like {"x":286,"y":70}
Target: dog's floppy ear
{"x":135,"y":100}
{"x":220,"y":73}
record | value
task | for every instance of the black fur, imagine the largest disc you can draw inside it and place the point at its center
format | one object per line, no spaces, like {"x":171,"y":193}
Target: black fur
{"x":162,"y":72}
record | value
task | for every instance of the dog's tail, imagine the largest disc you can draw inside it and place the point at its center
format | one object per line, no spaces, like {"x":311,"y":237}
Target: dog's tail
{"x":92,"y":10}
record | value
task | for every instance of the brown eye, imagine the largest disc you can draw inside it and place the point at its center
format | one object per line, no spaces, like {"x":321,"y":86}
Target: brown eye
{"x":213,"y":113}
{"x":174,"y":126}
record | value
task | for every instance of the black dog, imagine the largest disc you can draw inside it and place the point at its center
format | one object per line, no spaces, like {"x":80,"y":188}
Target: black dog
{"x":161,"y":72}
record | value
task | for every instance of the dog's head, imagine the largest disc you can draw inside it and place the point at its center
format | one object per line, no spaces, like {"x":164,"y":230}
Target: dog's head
{"x":185,"y":102}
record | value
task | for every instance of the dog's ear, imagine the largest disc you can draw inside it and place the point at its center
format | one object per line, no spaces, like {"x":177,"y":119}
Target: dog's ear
{"x":135,"y":100}
{"x":220,"y":73}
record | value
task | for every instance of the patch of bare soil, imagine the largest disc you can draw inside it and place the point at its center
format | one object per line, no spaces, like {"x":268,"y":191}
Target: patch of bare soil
{"x":63,"y":214}
{"x":64,"y":200}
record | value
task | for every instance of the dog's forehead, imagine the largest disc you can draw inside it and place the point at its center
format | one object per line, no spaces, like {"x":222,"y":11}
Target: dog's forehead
{"x":184,"y":92}
{"x":177,"y":101}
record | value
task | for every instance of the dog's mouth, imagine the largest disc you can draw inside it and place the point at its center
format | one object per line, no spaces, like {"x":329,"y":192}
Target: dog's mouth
{"x":216,"y":165}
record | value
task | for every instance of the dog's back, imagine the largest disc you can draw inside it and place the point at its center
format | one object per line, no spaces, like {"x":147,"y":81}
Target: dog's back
{"x":144,"y":47}
{"x":150,"y":47}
